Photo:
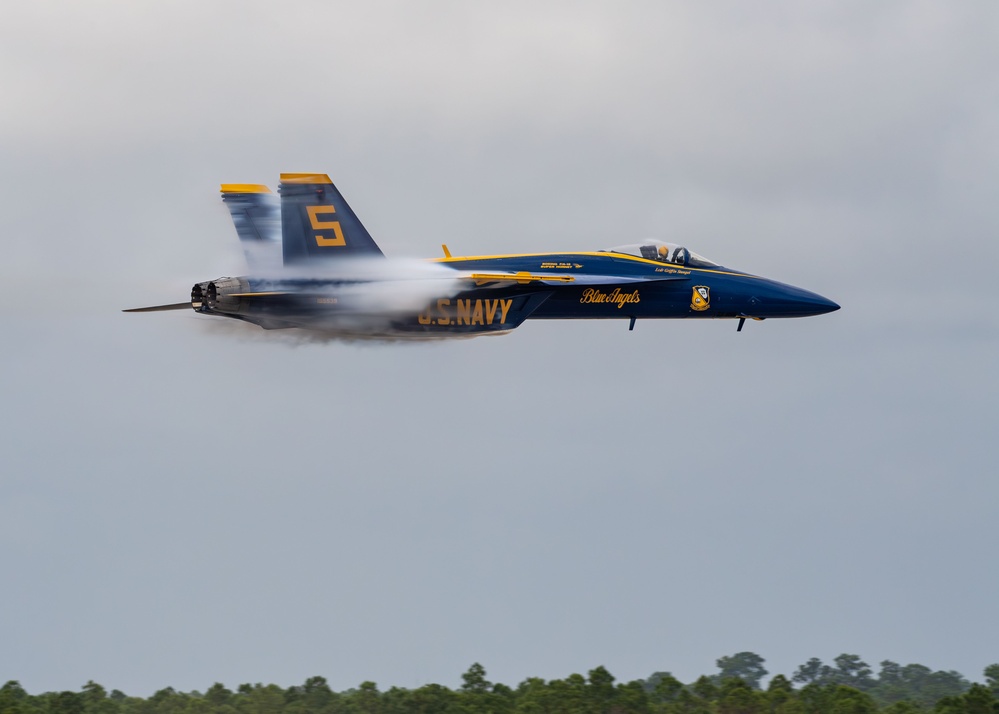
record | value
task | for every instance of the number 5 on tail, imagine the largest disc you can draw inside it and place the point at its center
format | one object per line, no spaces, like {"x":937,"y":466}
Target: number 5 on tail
{"x":325,"y":241}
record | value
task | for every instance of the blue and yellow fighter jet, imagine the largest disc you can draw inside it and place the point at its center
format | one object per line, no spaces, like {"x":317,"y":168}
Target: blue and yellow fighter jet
{"x":314,"y":266}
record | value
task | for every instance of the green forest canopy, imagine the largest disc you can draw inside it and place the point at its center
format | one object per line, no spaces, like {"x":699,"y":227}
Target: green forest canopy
{"x":847,"y":686}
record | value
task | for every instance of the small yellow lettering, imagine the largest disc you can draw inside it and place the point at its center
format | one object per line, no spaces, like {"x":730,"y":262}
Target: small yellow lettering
{"x":477,"y":313}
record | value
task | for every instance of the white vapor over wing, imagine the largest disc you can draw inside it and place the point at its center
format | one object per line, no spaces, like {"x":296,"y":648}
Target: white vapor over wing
{"x":370,"y":294}
{"x":384,"y":286}
{"x":263,"y":256}
{"x":395,"y":297}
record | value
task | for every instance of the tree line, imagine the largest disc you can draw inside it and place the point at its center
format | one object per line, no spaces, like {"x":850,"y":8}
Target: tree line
{"x":847,"y":686}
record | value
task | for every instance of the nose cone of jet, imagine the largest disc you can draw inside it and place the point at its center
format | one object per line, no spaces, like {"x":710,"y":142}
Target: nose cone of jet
{"x":823,"y":305}
{"x":780,"y":300}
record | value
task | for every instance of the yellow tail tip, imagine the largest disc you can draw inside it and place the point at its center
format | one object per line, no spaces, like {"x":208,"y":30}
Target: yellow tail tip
{"x":305,"y":178}
{"x":244,"y":188}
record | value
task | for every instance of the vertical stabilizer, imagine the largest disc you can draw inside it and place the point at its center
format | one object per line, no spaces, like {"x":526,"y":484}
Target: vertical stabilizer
{"x":256,"y":214}
{"x":317,"y":225}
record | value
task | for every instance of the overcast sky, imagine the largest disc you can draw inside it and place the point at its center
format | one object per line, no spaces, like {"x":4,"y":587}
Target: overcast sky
{"x":184,"y":501}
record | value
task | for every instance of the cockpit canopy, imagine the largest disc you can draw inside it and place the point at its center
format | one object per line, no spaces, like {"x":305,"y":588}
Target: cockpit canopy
{"x":665,"y":253}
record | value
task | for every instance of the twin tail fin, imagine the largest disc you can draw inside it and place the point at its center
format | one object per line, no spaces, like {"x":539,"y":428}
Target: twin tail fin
{"x":256,"y":213}
{"x":311,"y":224}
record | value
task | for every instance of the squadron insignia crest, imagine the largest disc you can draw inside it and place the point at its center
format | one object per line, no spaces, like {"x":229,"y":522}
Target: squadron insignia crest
{"x":701,"y":298}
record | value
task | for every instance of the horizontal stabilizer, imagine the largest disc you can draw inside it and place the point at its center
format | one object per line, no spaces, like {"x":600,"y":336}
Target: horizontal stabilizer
{"x":162,"y":308}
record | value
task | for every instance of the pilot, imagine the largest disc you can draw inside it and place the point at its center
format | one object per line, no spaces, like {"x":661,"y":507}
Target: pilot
{"x":679,"y":256}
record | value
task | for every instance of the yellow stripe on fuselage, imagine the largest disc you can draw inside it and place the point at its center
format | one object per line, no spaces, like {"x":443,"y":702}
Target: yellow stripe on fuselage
{"x":590,"y":254}
{"x":521,"y":277}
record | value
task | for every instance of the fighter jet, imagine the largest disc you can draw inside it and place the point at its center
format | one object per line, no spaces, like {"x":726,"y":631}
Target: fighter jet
{"x":314,"y":266}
